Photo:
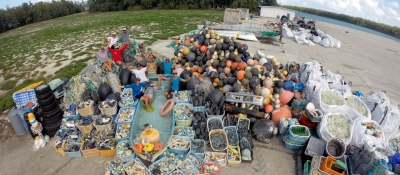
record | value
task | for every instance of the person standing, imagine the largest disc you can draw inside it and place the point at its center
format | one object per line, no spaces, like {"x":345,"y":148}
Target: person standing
{"x":124,"y":35}
{"x":102,"y":55}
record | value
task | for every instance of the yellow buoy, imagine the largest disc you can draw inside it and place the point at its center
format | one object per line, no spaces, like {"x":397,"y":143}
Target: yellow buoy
{"x":149,"y":147}
{"x":285,"y":72}
{"x":185,"y":51}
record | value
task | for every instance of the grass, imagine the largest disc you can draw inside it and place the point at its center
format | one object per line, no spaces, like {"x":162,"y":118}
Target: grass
{"x":75,"y":33}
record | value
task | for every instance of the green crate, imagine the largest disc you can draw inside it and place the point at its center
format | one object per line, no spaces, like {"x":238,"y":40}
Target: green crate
{"x":377,"y":169}
{"x":299,"y":131}
{"x":306,"y":168}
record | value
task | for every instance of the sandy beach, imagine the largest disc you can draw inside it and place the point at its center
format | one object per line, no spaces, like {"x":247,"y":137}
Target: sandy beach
{"x":369,"y":61}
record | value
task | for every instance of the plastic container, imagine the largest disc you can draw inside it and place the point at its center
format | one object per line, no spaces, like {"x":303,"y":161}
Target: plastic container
{"x":298,"y":134}
{"x":377,"y":169}
{"x":235,"y":133}
{"x":105,"y":166}
{"x":350,"y":167}
{"x":181,"y":101}
{"x":126,"y":158}
{"x":307,"y":167}
{"x":119,"y":113}
{"x":89,"y":152}
{"x":176,"y":128}
{"x":201,"y":160}
{"x":322,"y":159}
{"x":156,"y":164}
{"x":234,"y":162}
{"x":315,"y":147}
{"x":86,"y":111}
{"x":16,"y":122}
{"x":138,"y":162}
{"x":243,"y":120}
{"x":74,"y":154}
{"x":211,"y":164}
{"x":335,"y":148}
{"x":180,"y":151}
{"x":201,"y":153}
{"x":108,"y":153}
{"x":121,"y":139}
{"x":291,"y":145}
{"x":217,"y":120}
{"x":221,"y":155}
{"x":76,"y":117}
{"x":217,"y":116}
{"x":218,"y":131}
{"x":326,"y":166}
{"x":108,"y":126}
{"x":109,"y":111}
{"x":58,"y":149}
{"x":361,"y":162}
{"x":312,"y":118}
{"x":186,"y":123}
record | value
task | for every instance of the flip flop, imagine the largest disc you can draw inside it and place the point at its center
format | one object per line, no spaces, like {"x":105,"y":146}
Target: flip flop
{"x":152,"y":107}
{"x":151,"y":110}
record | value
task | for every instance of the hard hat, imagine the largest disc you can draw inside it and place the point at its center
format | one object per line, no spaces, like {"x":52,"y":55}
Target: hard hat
{"x":31,"y":117}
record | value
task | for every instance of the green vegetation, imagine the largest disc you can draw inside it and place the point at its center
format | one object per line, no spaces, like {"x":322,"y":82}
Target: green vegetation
{"x":70,"y":32}
{"x":8,"y":76}
{"x":386,"y":29}
{"x":8,"y":85}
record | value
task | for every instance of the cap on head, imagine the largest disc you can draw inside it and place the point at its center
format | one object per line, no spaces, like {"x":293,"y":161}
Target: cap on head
{"x":124,"y":28}
{"x":174,"y":72}
{"x":113,"y":33}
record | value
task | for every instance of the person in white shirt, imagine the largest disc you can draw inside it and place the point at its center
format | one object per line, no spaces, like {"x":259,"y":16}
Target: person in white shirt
{"x":112,"y":41}
{"x":140,"y":72}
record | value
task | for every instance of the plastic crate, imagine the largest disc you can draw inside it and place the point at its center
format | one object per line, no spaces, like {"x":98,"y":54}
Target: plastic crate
{"x":315,"y":147}
{"x":291,"y":145}
{"x":235,"y":133}
{"x":218,"y":131}
{"x":211,"y":164}
{"x":298,"y":134}
{"x":180,"y":151}
{"x":315,"y":119}
{"x":321,"y":159}
{"x":138,"y":162}
{"x":306,"y":167}
{"x":86,"y":129}
{"x":176,"y":100}
{"x":201,"y":153}
{"x":122,"y":139}
{"x":186,"y":123}
{"x":156,"y":165}
{"x":105,"y":166}
{"x":126,"y":158}
{"x":242,"y":120}
{"x":108,"y":126}
{"x":326,"y":166}
{"x":234,"y":162}
{"x":89,"y":152}
{"x":76,"y":117}
{"x":377,"y":169}
{"x":108,"y":153}
{"x":86,"y":111}
{"x":184,"y":128}
{"x":188,"y":165}
{"x":201,"y":160}
{"x":218,"y":120}
{"x":361,"y":162}
{"x":22,"y":98}
{"x":58,"y":149}
{"x":74,"y":154}
{"x":109,"y":111}
{"x":221,"y":155}
{"x":127,"y":122}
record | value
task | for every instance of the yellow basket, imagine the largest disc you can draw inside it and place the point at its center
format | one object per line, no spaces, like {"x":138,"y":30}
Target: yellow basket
{"x":32,"y":86}
{"x":108,"y":153}
{"x":109,"y":111}
{"x":234,"y":162}
{"x":86,"y":111}
{"x":86,"y":129}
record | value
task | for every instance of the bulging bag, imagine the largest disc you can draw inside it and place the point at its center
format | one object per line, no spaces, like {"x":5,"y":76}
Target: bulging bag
{"x":336,"y":129}
{"x":358,"y":108}
{"x":322,"y":99}
{"x":360,"y":138}
{"x":379,"y":104}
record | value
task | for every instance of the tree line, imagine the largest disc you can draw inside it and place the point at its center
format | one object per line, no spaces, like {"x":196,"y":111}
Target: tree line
{"x":115,"y":5}
{"x":28,"y":13}
{"x":383,"y":28}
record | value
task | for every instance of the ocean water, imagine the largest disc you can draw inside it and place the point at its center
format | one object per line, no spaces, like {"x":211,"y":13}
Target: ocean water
{"x":333,"y":21}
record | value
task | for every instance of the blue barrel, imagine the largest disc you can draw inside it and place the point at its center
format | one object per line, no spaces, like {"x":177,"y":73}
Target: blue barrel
{"x":16,"y":122}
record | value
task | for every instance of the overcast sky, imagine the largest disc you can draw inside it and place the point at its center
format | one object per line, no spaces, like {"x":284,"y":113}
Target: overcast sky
{"x":382,"y":11}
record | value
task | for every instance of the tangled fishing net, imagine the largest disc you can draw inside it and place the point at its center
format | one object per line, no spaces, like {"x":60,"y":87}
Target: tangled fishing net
{"x":331,"y":97}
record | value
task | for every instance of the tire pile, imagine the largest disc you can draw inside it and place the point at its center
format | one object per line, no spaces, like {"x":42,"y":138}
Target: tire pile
{"x":51,"y":115}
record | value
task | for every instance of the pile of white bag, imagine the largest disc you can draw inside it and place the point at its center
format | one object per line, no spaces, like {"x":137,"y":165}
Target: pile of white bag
{"x":326,"y":40}
{"x":302,"y":37}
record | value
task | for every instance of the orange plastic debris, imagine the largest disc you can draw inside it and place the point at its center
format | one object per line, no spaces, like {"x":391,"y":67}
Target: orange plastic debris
{"x":158,"y":146}
{"x":139,"y":148}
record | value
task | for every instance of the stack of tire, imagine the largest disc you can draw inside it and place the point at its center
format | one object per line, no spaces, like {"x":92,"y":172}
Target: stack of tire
{"x":51,"y":113}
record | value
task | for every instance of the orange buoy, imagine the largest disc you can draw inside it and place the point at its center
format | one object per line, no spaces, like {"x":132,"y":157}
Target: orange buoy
{"x":282,"y":112}
{"x":241,"y":65}
{"x":240,"y":75}
{"x":268,"y":108}
{"x":255,"y":62}
{"x":200,"y":70}
{"x":139,"y":148}
{"x":197,"y":45}
{"x":158,"y":146}
{"x":164,"y":111}
{"x":234,"y":65}
{"x":203,"y":49}
{"x":177,"y":42}
{"x":228,"y":63}
{"x":216,"y":80}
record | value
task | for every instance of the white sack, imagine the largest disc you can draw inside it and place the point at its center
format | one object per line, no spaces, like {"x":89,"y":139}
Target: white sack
{"x":313,"y":87}
{"x":325,"y":42}
{"x":354,"y":114}
{"x":316,"y":39}
{"x":378,"y":103}
{"x":319,"y":104}
{"x":287,"y":33}
{"x":323,"y":130}
{"x":391,"y":122}
{"x":360,"y":138}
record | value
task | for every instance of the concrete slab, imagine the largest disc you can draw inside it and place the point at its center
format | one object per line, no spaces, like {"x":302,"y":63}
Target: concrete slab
{"x":370,"y":62}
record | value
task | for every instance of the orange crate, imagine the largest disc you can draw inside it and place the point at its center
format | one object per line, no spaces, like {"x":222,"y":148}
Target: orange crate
{"x":89,"y":152}
{"x":58,"y":149}
{"x":326,"y":166}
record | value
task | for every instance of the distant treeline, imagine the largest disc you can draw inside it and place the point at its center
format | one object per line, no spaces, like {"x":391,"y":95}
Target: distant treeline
{"x":14,"y":17}
{"x":383,"y":28}
{"x":115,"y":5}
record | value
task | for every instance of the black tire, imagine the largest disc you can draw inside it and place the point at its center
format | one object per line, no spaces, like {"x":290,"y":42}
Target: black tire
{"x":47,"y":101}
{"x":51,"y":120}
{"x":44,"y":96}
{"x":54,"y":127}
{"x":50,"y":107}
{"x":42,"y":89}
{"x":51,"y":113}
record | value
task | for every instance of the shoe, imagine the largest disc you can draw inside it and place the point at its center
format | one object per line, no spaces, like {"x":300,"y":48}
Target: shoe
{"x":150,"y":110}
{"x":152,"y":107}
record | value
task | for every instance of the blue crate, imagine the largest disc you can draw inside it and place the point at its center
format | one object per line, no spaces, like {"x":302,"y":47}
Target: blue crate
{"x":137,"y":160}
{"x":122,"y":109}
{"x":181,"y":101}
{"x":179,"y":151}
{"x":215,"y":118}
{"x":126,"y":158}
{"x":298,"y":139}
{"x":74,"y":154}
{"x":186,"y":128}
{"x":76,"y":117}
{"x":126,"y":138}
{"x":156,"y":163}
{"x":197,"y":157}
{"x":237,"y":136}
{"x":292,"y":146}
{"x":202,"y":142}
{"x":22,"y":98}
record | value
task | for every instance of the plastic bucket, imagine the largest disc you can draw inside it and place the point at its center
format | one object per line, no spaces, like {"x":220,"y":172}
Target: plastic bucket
{"x":335,"y":148}
{"x":16,"y":122}
{"x":370,"y":146}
